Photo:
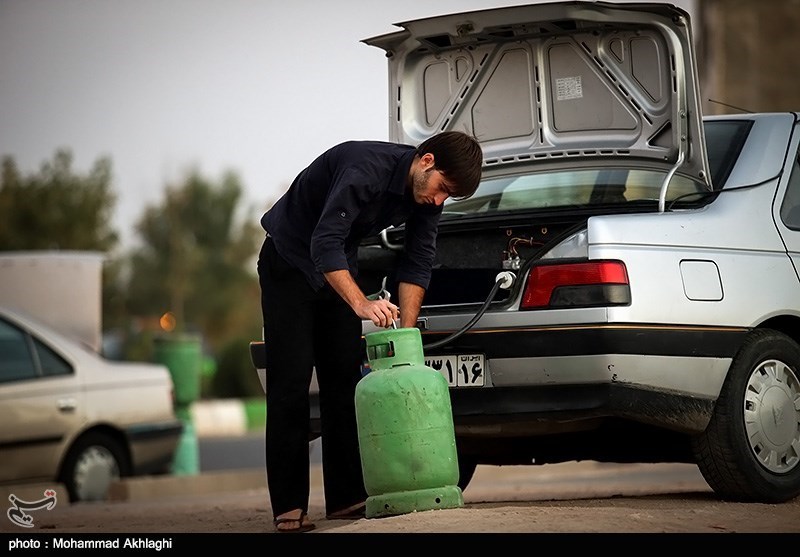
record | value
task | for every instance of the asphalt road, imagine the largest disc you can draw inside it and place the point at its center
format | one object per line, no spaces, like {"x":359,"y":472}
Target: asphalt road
{"x":232,"y":453}
{"x":240,"y":452}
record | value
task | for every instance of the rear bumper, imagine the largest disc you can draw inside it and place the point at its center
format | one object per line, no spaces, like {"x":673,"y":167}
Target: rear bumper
{"x":595,"y":339}
{"x":153,"y":446}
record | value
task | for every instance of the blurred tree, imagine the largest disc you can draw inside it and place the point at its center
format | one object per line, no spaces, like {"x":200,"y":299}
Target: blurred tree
{"x":57,"y":208}
{"x":197,"y":264}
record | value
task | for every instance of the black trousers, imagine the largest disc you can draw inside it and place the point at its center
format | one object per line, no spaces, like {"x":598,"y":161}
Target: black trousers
{"x":305,"y":329}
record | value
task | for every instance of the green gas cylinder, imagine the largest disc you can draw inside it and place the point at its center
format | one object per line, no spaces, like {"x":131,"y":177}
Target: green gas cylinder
{"x":405,"y":429}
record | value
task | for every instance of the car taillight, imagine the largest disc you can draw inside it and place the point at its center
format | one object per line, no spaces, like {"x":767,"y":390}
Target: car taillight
{"x":565,"y":285}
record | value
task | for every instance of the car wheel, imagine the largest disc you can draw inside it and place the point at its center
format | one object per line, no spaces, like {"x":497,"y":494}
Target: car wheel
{"x":750,"y":450}
{"x":466,"y":469}
{"x":93,"y":463}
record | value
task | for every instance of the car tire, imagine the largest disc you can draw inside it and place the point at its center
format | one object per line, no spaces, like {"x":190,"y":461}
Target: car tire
{"x":92,"y":464}
{"x":749,"y":451}
{"x":466,"y":469}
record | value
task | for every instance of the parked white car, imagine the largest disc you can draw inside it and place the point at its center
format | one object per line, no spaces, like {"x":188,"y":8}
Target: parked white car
{"x":69,"y":415}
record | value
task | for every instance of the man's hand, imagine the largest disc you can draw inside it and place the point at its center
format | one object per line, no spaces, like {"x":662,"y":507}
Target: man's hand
{"x":381,"y":312}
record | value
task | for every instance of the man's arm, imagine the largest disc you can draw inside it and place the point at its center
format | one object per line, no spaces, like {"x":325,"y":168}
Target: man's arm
{"x":380,"y":312}
{"x":410,"y":299}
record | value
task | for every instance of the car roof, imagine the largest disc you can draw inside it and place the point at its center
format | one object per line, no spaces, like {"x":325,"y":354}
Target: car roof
{"x":566,"y":84}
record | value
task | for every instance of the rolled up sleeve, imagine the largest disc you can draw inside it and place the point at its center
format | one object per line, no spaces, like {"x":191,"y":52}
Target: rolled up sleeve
{"x":350,"y":192}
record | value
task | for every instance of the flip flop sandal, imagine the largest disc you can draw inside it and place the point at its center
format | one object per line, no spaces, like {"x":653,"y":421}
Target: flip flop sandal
{"x":303,"y":525}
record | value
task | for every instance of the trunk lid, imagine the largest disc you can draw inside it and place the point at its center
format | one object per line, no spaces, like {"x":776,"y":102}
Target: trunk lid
{"x":565,"y":84}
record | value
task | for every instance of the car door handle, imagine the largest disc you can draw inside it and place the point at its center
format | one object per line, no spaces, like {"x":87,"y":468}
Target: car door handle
{"x":66,"y":404}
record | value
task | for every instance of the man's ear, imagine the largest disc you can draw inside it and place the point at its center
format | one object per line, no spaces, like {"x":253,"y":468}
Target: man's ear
{"x":426,"y":161}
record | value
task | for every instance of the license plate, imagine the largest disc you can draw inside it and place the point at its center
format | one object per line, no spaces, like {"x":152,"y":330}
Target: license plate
{"x":462,"y":370}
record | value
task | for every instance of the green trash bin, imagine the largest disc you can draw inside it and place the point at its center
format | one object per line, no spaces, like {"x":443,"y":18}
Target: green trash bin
{"x":182,"y":354}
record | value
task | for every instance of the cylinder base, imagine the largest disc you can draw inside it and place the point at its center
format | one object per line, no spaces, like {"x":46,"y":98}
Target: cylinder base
{"x":402,"y":502}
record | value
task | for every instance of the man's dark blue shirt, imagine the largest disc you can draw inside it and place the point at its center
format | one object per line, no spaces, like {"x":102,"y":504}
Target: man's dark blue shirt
{"x":352,"y":191}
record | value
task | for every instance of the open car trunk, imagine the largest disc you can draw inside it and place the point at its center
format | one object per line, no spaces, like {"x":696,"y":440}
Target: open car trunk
{"x":469,"y":256}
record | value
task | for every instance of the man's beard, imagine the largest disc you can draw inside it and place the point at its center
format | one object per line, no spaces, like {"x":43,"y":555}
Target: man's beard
{"x":419,"y":182}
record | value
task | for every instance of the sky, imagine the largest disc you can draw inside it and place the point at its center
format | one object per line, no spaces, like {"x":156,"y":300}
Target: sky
{"x":256,"y":87}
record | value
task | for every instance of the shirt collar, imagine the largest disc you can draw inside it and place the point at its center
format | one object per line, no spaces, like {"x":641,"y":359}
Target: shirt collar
{"x":399,"y":179}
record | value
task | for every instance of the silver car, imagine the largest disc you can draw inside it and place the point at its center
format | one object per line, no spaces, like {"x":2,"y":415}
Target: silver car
{"x":624,"y":284}
{"x":69,"y":415}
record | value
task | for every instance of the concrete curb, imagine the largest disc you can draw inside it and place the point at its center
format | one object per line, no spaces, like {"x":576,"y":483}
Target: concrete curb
{"x":219,"y":418}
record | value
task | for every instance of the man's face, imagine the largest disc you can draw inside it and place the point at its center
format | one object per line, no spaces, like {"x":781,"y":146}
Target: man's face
{"x":429,"y":185}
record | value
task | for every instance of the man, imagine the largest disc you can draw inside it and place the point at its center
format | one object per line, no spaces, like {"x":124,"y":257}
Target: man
{"x":312,"y":307}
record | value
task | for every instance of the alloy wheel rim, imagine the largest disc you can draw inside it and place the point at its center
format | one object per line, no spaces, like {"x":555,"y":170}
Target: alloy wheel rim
{"x":95,"y":470}
{"x":772,"y":416}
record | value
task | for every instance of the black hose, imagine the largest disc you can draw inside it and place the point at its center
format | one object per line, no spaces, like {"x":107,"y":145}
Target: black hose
{"x":471,"y":322}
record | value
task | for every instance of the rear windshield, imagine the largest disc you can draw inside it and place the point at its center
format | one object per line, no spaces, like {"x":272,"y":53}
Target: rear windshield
{"x":596,"y":188}
{"x":571,"y":189}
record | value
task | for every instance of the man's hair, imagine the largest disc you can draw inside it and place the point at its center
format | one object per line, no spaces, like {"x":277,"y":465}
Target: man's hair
{"x":459,"y":157}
